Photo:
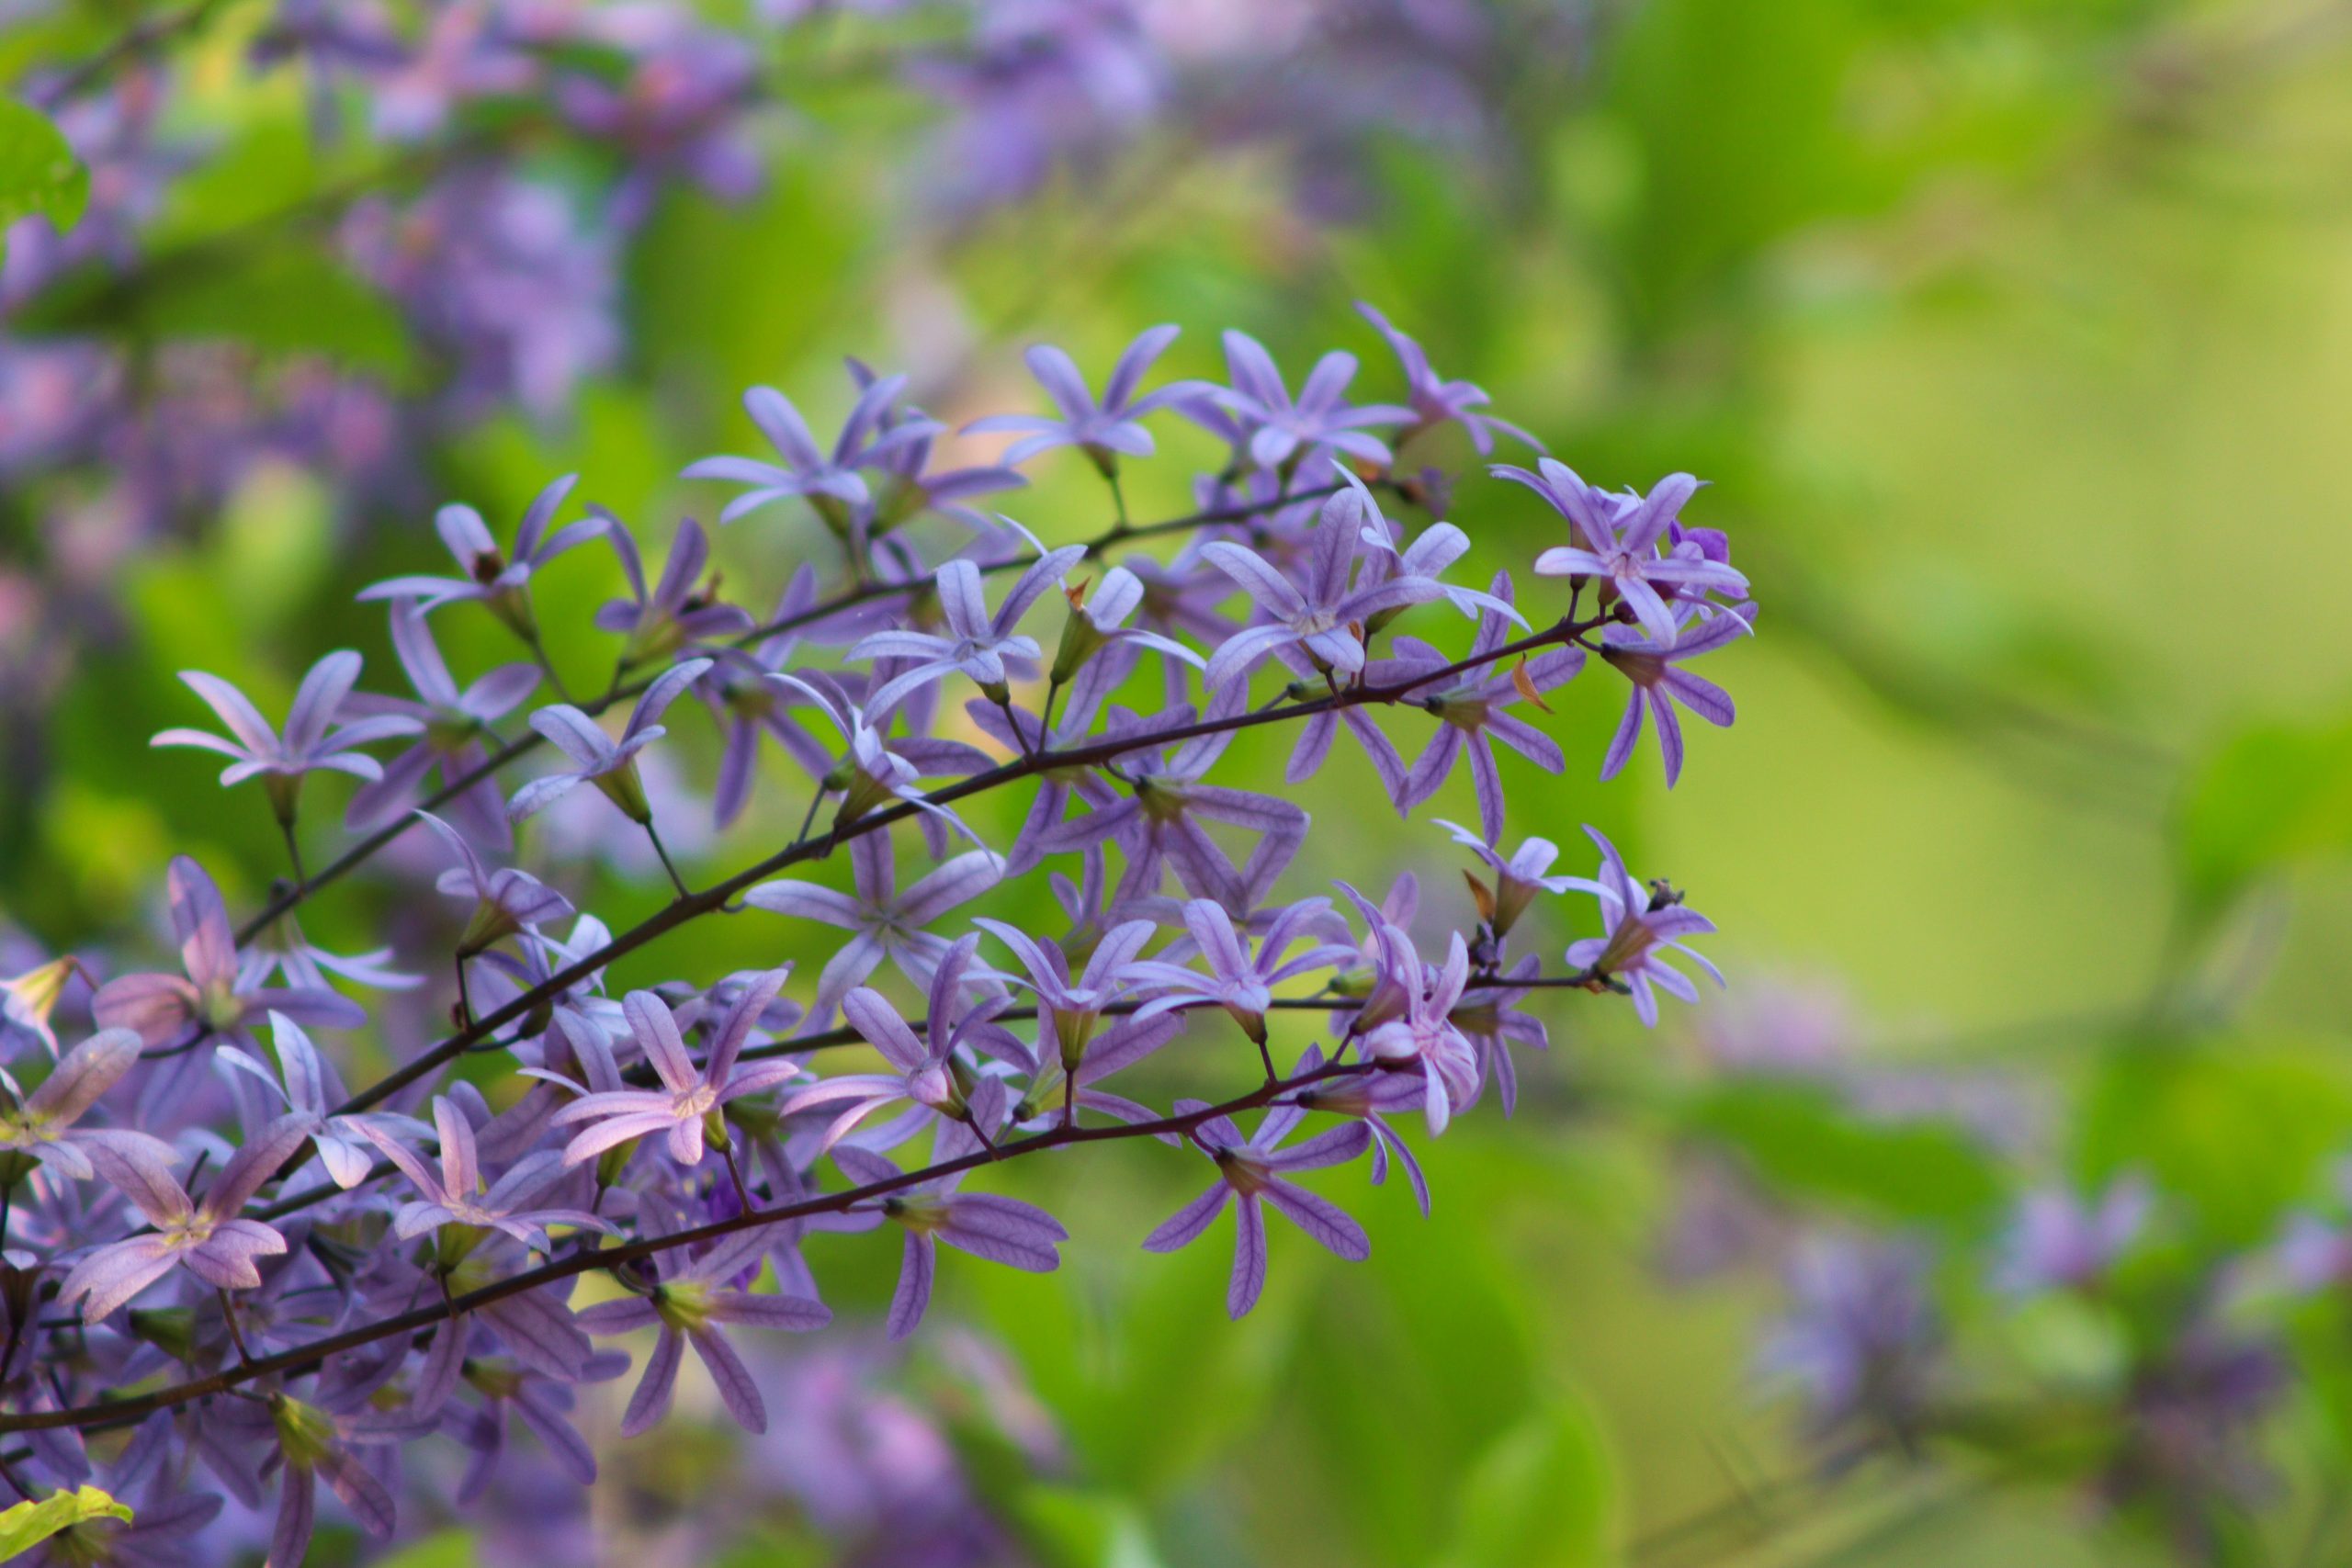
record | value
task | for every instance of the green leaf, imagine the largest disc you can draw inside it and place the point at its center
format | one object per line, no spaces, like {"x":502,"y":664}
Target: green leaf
{"x":289,"y":298}
{"x":1542,"y":1495}
{"x":2265,"y":796}
{"x":26,"y":1524}
{"x":39,"y":172}
{"x":2233,"y":1133}
{"x":1800,"y":1139}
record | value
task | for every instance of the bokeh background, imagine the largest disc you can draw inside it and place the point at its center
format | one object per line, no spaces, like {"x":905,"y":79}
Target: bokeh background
{"x":2015,"y":338}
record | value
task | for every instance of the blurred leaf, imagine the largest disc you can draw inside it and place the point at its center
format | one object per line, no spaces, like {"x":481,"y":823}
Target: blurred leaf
{"x":2262,"y":798}
{"x":448,"y":1549}
{"x":1068,"y":1527}
{"x":2232,"y":1134}
{"x":26,"y":1524}
{"x":39,"y":172}
{"x":1542,"y":1495}
{"x":286,"y":297}
{"x":1800,"y":1138}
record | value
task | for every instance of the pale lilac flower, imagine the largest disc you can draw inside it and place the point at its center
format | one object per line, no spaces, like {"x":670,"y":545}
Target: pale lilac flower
{"x":1642,"y":926}
{"x":2061,"y":1242}
{"x":216,"y":994}
{"x":1371,"y":1098}
{"x":1436,"y":401}
{"x":1517,"y":879}
{"x":608,"y":764}
{"x":1002,"y":1230}
{"x":690,"y":1303}
{"x":1491,"y":1016}
{"x":1471,"y":717}
{"x":806,"y":471}
{"x":1236,"y":980}
{"x":487,"y":575}
{"x":40,"y":1127}
{"x":457,"y":1194}
{"x":280,"y":948}
{"x":1619,"y":543}
{"x":505,"y":902}
{"x":688,"y":1108}
{"x":1162,"y":822}
{"x":1325,"y":615}
{"x":676,"y":612}
{"x":208,"y":1238}
{"x":1098,"y":622}
{"x":874,"y":771}
{"x":454,"y":725}
{"x":1104,"y":430}
{"x":1659,"y":685}
{"x":927,"y":1068}
{"x":1253,"y":1169}
{"x":1277,"y":429}
{"x":311,"y":1088}
{"x":1068,"y":1011}
{"x":975,"y":642}
{"x":1425,"y":1033}
{"x":909,"y":490}
{"x":312,"y":739}
{"x":886,"y":922}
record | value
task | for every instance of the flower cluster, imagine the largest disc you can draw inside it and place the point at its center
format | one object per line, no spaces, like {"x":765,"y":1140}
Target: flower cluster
{"x":282,"y":1280}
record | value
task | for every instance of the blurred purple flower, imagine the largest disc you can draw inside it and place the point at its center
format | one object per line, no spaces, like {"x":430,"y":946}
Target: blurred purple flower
{"x":312,"y":739}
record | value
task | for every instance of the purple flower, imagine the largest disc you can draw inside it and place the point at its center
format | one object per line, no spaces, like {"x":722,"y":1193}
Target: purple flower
{"x":928,"y":1072}
{"x":312,"y":1444}
{"x":688,"y":1108}
{"x":505,"y":902}
{"x":453,"y":725}
{"x":216,"y":994}
{"x":2060,"y":1242}
{"x":457,"y":1194}
{"x":1002,"y":1230}
{"x":1620,"y":536}
{"x":886,"y":921}
{"x":608,"y":764}
{"x":691,"y":1303}
{"x":1237,"y":981}
{"x":1471,"y":716}
{"x":1426,"y":1033}
{"x":1102,"y":430}
{"x":309,"y":1089}
{"x":678,"y":112}
{"x":1099,"y":623}
{"x":1641,"y":928}
{"x":1436,"y":401}
{"x":874,"y":771}
{"x":832,"y":483}
{"x":977,"y":643}
{"x":1859,"y":1336}
{"x":1517,"y":880}
{"x":1659,"y":685}
{"x":490,"y":577}
{"x":679,"y":610}
{"x":311,"y":740}
{"x":1068,"y":1011}
{"x":1250,"y":1170}
{"x":1162,"y":822}
{"x":39,"y":1127}
{"x":208,"y":1237}
{"x":1371,"y":1098}
{"x":1276,"y":430}
{"x":1326,"y":615}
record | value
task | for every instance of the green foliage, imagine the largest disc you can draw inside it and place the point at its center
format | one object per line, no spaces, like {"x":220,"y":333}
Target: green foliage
{"x":29,"y":1524}
{"x":1542,"y":1495}
{"x":1799,"y":1139}
{"x":2266,"y":795}
{"x":39,"y":172}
